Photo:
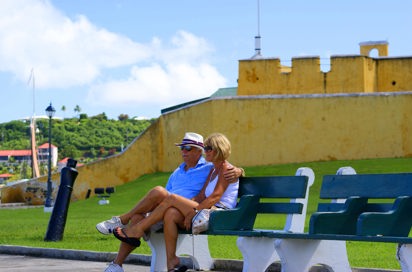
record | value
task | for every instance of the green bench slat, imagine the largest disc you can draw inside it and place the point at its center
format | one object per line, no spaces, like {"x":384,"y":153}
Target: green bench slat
{"x":305,"y":236}
{"x":370,"y":207}
{"x":366,"y":185}
{"x":285,"y":208}
{"x":274,"y":187}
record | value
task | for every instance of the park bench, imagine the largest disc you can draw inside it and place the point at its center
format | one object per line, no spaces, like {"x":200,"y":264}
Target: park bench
{"x":268,"y":195}
{"x":377,"y":208}
{"x":100,"y":192}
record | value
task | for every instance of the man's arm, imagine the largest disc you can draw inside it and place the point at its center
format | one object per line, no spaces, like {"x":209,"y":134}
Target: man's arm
{"x":233,"y":173}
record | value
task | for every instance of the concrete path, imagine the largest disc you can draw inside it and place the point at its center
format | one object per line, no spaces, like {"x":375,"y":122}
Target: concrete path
{"x":20,"y":258}
{"x":18,"y":263}
{"x":15,"y":263}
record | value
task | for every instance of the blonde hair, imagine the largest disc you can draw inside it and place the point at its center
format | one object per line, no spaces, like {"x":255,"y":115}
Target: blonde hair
{"x":219,"y":143}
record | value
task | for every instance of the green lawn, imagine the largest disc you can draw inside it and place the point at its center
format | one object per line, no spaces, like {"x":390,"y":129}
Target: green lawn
{"x":27,"y":227}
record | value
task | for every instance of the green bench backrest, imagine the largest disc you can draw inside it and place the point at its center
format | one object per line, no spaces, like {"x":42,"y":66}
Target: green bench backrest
{"x":368,"y":186}
{"x":389,"y":214}
{"x":287,"y":187}
{"x":257,"y":195}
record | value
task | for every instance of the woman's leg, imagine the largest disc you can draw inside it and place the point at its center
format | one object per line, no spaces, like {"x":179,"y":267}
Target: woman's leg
{"x":172,"y":220}
{"x":149,"y":202}
{"x":182,"y":204}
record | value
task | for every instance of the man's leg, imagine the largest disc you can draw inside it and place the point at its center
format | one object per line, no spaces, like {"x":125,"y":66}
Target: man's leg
{"x":125,"y":249}
{"x":145,"y":205}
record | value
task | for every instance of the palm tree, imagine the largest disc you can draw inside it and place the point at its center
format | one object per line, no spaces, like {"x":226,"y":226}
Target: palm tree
{"x":63,"y":109}
{"x":77,"y":109}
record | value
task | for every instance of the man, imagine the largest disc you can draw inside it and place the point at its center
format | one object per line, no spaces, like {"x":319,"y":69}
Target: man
{"x":187,"y":180}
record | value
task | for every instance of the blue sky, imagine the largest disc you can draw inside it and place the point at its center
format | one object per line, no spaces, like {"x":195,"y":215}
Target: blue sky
{"x":137,"y":57}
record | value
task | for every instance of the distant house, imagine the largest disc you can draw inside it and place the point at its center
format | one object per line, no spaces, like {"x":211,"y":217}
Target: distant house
{"x":43,"y":153}
{"x":20,"y":156}
{"x":62,"y":163}
{"x":5,"y":177}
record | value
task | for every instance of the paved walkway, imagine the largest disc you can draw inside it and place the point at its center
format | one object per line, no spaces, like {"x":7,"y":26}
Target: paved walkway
{"x":21,"y":258}
{"x":21,"y":263}
{"x":16,"y":263}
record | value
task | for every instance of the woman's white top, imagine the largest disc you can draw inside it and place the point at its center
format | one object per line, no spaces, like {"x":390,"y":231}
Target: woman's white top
{"x":229,"y":197}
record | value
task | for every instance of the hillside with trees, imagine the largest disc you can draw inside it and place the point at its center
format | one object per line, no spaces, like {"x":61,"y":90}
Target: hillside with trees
{"x":83,"y":138}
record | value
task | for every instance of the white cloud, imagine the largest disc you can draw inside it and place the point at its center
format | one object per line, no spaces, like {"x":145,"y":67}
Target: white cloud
{"x":177,"y":74}
{"x":63,"y":52}
{"x":67,"y":52}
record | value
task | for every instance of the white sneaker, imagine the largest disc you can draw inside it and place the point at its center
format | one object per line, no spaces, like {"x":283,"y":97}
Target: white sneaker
{"x":114,"y":268}
{"x":107,"y":227}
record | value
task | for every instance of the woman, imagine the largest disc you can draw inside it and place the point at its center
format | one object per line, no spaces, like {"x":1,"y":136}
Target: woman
{"x":177,"y":211}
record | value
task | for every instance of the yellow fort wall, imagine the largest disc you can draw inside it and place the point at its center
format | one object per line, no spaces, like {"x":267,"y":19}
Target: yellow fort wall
{"x":268,"y":130}
{"x":348,"y":74}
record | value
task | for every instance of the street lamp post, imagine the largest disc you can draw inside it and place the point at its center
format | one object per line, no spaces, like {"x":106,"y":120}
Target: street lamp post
{"x":48,"y":205}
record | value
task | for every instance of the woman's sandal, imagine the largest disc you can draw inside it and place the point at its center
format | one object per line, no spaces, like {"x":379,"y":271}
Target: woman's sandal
{"x":129,"y":240}
{"x":179,"y":268}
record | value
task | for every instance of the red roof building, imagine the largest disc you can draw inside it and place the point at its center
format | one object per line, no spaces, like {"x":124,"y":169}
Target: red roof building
{"x":4,"y":177}
{"x":20,"y":156}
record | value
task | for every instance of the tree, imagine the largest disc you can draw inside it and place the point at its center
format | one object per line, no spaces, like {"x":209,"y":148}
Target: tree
{"x":102,"y":116}
{"x":87,"y":138}
{"x":63,"y":109}
{"x":123,"y":117}
{"x":77,"y":109}
{"x":83,"y":116}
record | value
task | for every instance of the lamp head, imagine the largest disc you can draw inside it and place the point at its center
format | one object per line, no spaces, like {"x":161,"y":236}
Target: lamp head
{"x":50,"y":110}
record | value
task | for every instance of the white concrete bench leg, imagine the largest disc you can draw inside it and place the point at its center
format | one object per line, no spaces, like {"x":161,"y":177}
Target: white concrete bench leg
{"x":404,"y":256}
{"x":301,"y":255}
{"x":198,"y":249}
{"x":157,"y":245}
{"x":201,"y":259}
{"x":257,"y":253}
